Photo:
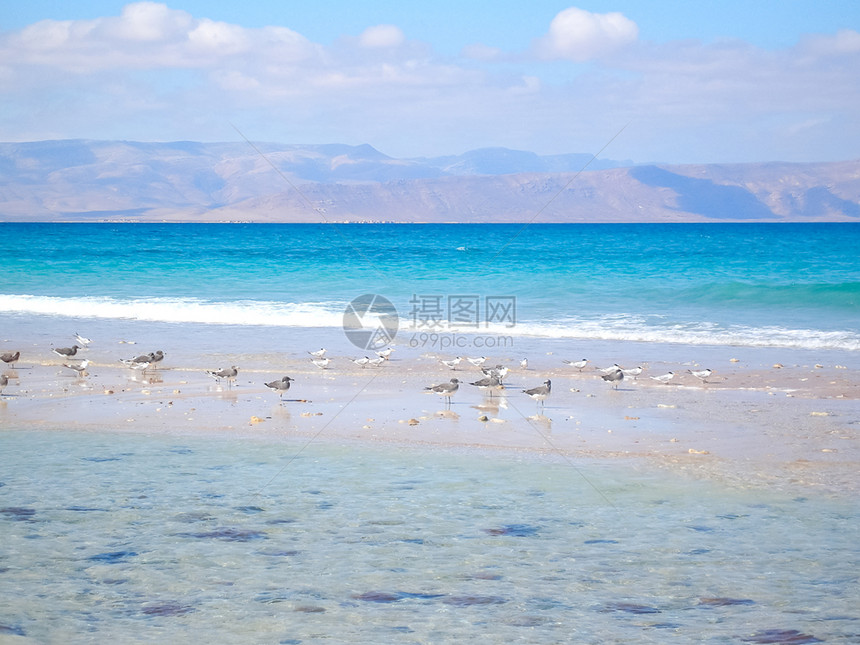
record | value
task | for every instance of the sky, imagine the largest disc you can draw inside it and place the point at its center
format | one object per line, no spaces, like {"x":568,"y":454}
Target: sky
{"x":661,"y":81}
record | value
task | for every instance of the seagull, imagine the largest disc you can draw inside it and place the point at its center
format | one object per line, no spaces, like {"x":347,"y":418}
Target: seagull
{"x":524,"y":363}
{"x":156,"y":357}
{"x":83,"y":340}
{"x":80,"y":368}
{"x":318,"y":354}
{"x":376,"y":362}
{"x":577,"y":364}
{"x":446,"y":390}
{"x":702,"y":375}
{"x":321,"y":363}
{"x":477,"y":362}
{"x":361,"y":362}
{"x":4,"y":381}
{"x":664,"y":378}
{"x":498,"y":371}
{"x":453,"y":363}
{"x":540,"y":392}
{"x":385,"y":354}
{"x":281,"y":385}
{"x":141,"y":366}
{"x":9,"y":358}
{"x":229,"y":373}
{"x":488,"y":383}
{"x":615,"y":376}
{"x":633,"y":372}
{"x":66,"y":352}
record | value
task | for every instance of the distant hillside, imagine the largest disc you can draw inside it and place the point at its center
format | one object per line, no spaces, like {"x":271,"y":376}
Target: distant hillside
{"x":187,"y":181}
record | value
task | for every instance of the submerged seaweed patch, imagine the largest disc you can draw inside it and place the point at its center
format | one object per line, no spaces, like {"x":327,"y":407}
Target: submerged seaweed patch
{"x":781,"y":637}
{"x":112,"y":557}
{"x":168,"y":609}
{"x":629,"y":608}
{"x":18,"y":513}
{"x":514,"y":530}
{"x":227,"y":533}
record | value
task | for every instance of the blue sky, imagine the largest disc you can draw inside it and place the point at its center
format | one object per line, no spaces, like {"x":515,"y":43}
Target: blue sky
{"x":699,"y":82}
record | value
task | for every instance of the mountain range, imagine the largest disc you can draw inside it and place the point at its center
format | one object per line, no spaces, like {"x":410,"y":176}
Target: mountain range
{"x":84,"y":180}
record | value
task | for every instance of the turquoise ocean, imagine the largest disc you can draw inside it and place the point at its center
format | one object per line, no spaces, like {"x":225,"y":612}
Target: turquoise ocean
{"x":136,"y":537}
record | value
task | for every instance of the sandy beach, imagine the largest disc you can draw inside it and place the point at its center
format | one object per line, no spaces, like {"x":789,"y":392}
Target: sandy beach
{"x":784,"y":425}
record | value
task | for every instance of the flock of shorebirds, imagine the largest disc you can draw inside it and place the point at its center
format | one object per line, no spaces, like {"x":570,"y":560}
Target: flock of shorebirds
{"x":494,"y":377}
{"x":492,"y":381}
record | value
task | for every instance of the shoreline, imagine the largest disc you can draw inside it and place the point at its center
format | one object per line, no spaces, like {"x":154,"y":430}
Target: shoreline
{"x":793,"y":427}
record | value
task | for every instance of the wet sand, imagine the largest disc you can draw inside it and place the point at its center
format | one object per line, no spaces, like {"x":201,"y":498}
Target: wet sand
{"x":788,"y":426}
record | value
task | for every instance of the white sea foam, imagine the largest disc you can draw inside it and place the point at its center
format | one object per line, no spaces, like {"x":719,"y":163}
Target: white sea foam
{"x":620,"y":327}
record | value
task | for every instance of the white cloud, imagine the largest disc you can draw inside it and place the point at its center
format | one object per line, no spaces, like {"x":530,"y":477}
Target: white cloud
{"x":382,"y":36}
{"x":579,"y":35}
{"x":157,"y":73}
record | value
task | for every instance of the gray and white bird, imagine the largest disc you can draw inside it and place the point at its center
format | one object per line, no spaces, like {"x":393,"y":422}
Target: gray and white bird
{"x":614,"y":377}
{"x":453,"y":363}
{"x":541,"y":392}
{"x":385,"y":354}
{"x":66,"y":352}
{"x":445,"y":390}
{"x":577,"y":364}
{"x":702,"y":375}
{"x":281,"y":385}
{"x":321,"y":363}
{"x":607,"y":370}
{"x":361,"y":362}
{"x":524,"y":363}
{"x":4,"y":381}
{"x":376,"y":362}
{"x":488,"y":384}
{"x":80,"y":368}
{"x":228,"y":373}
{"x":319,"y":353}
{"x":498,"y":372}
{"x":83,"y":340}
{"x":156,"y":357}
{"x":663,"y":378}
{"x":632,"y":372}
{"x":477,"y":362}
{"x":10,"y":358}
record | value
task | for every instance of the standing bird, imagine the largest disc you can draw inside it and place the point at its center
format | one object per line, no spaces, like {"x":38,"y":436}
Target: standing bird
{"x":4,"y":381}
{"x":9,"y":358}
{"x":376,"y":362}
{"x":281,"y":385}
{"x":488,"y":383}
{"x":385,"y":354}
{"x":156,"y":357}
{"x":615,"y":377}
{"x":321,"y":363}
{"x":80,"y":368}
{"x":318,"y":354}
{"x":477,"y":362}
{"x":445,"y":390}
{"x":229,"y":373}
{"x":66,"y":352}
{"x":702,"y":375}
{"x":361,"y":362}
{"x":452,"y":364}
{"x":664,"y":378}
{"x":524,"y":363}
{"x":577,"y":364}
{"x":633,"y":372}
{"x":83,"y":340}
{"x":540,"y":392}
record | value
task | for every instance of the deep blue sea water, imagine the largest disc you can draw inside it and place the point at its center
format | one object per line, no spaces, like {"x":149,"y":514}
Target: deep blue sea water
{"x":786,"y":285}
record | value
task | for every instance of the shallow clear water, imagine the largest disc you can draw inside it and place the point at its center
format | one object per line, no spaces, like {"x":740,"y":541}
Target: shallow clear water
{"x":133,"y":538}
